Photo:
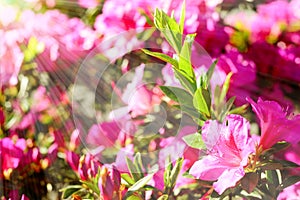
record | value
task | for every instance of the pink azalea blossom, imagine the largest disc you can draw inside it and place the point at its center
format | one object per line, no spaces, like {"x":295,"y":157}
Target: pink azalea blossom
{"x":2,"y":117}
{"x":65,"y":42}
{"x":120,"y":162}
{"x":104,"y":134}
{"x":88,"y":3}
{"x":86,"y":166}
{"x":11,"y":56}
{"x":11,"y":154}
{"x":290,"y":193}
{"x":109,"y":182}
{"x":14,"y":194}
{"x":276,"y":125}
{"x":241,"y":67}
{"x":228,"y":147}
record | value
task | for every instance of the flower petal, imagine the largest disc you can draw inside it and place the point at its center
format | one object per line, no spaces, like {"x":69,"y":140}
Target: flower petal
{"x":209,"y":168}
{"x":228,"y":179}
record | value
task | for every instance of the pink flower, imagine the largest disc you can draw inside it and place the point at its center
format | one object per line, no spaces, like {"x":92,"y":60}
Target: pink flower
{"x":14,"y":194}
{"x":72,"y":159}
{"x":240,"y":86}
{"x":290,"y":193}
{"x":88,"y":3}
{"x":11,"y":154}
{"x":2,"y":117}
{"x":120,"y":162}
{"x":109,"y":182}
{"x":104,"y":134}
{"x":85,"y":166}
{"x":276,"y":125}
{"x":11,"y":56}
{"x":228,"y":147}
{"x":88,"y":166}
{"x":139,"y":99}
{"x":65,"y":42}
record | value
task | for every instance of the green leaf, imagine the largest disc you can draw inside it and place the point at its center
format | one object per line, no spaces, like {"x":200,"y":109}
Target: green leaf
{"x":140,"y":183}
{"x":210,"y":71}
{"x":91,"y":186}
{"x":132,"y":169}
{"x":167,"y":172}
{"x":163,"y":197}
{"x":288,"y":164}
{"x":162,"y":56}
{"x":217,"y":95}
{"x":272,"y":177}
{"x":138,"y":162}
{"x":185,"y":100}
{"x":225,"y":86}
{"x":69,"y":190}
{"x":199,"y":101}
{"x":192,"y":112}
{"x":175,"y":172}
{"x":271,"y":166}
{"x":185,"y":57}
{"x":170,"y":29}
{"x":194,"y":141}
{"x":179,"y":95}
{"x":182,"y":18}
{"x":249,"y":181}
{"x":185,"y":81}
{"x":226,"y":108}
{"x":288,"y":182}
{"x":127,"y":178}
{"x":134,"y":197}
{"x":279,"y":146}
{"x":239,"y":110}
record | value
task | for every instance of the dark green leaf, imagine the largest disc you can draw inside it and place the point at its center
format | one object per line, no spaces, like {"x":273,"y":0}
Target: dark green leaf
{"x":185,"y":81}
{"x":138,"y":162}
{"x":226,"y":108}
{"x":271,"y":166}
{"x":163,"y":197}
{"x":288,"y":164}
{"x":279,"y":146}
{"x":288,"y":182}
{"x":272,"y":177}
{"x":179,"y":95}
{"x":249,"y":181}
{"x":162,"y":56}
{"x":69,"y":190}
{"x":210,"y":71}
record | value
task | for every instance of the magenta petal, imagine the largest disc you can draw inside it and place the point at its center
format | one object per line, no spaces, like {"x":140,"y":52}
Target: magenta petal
{"x":209,"y":168}
{"x":228,"y":179}
{"x":239,"y":127}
